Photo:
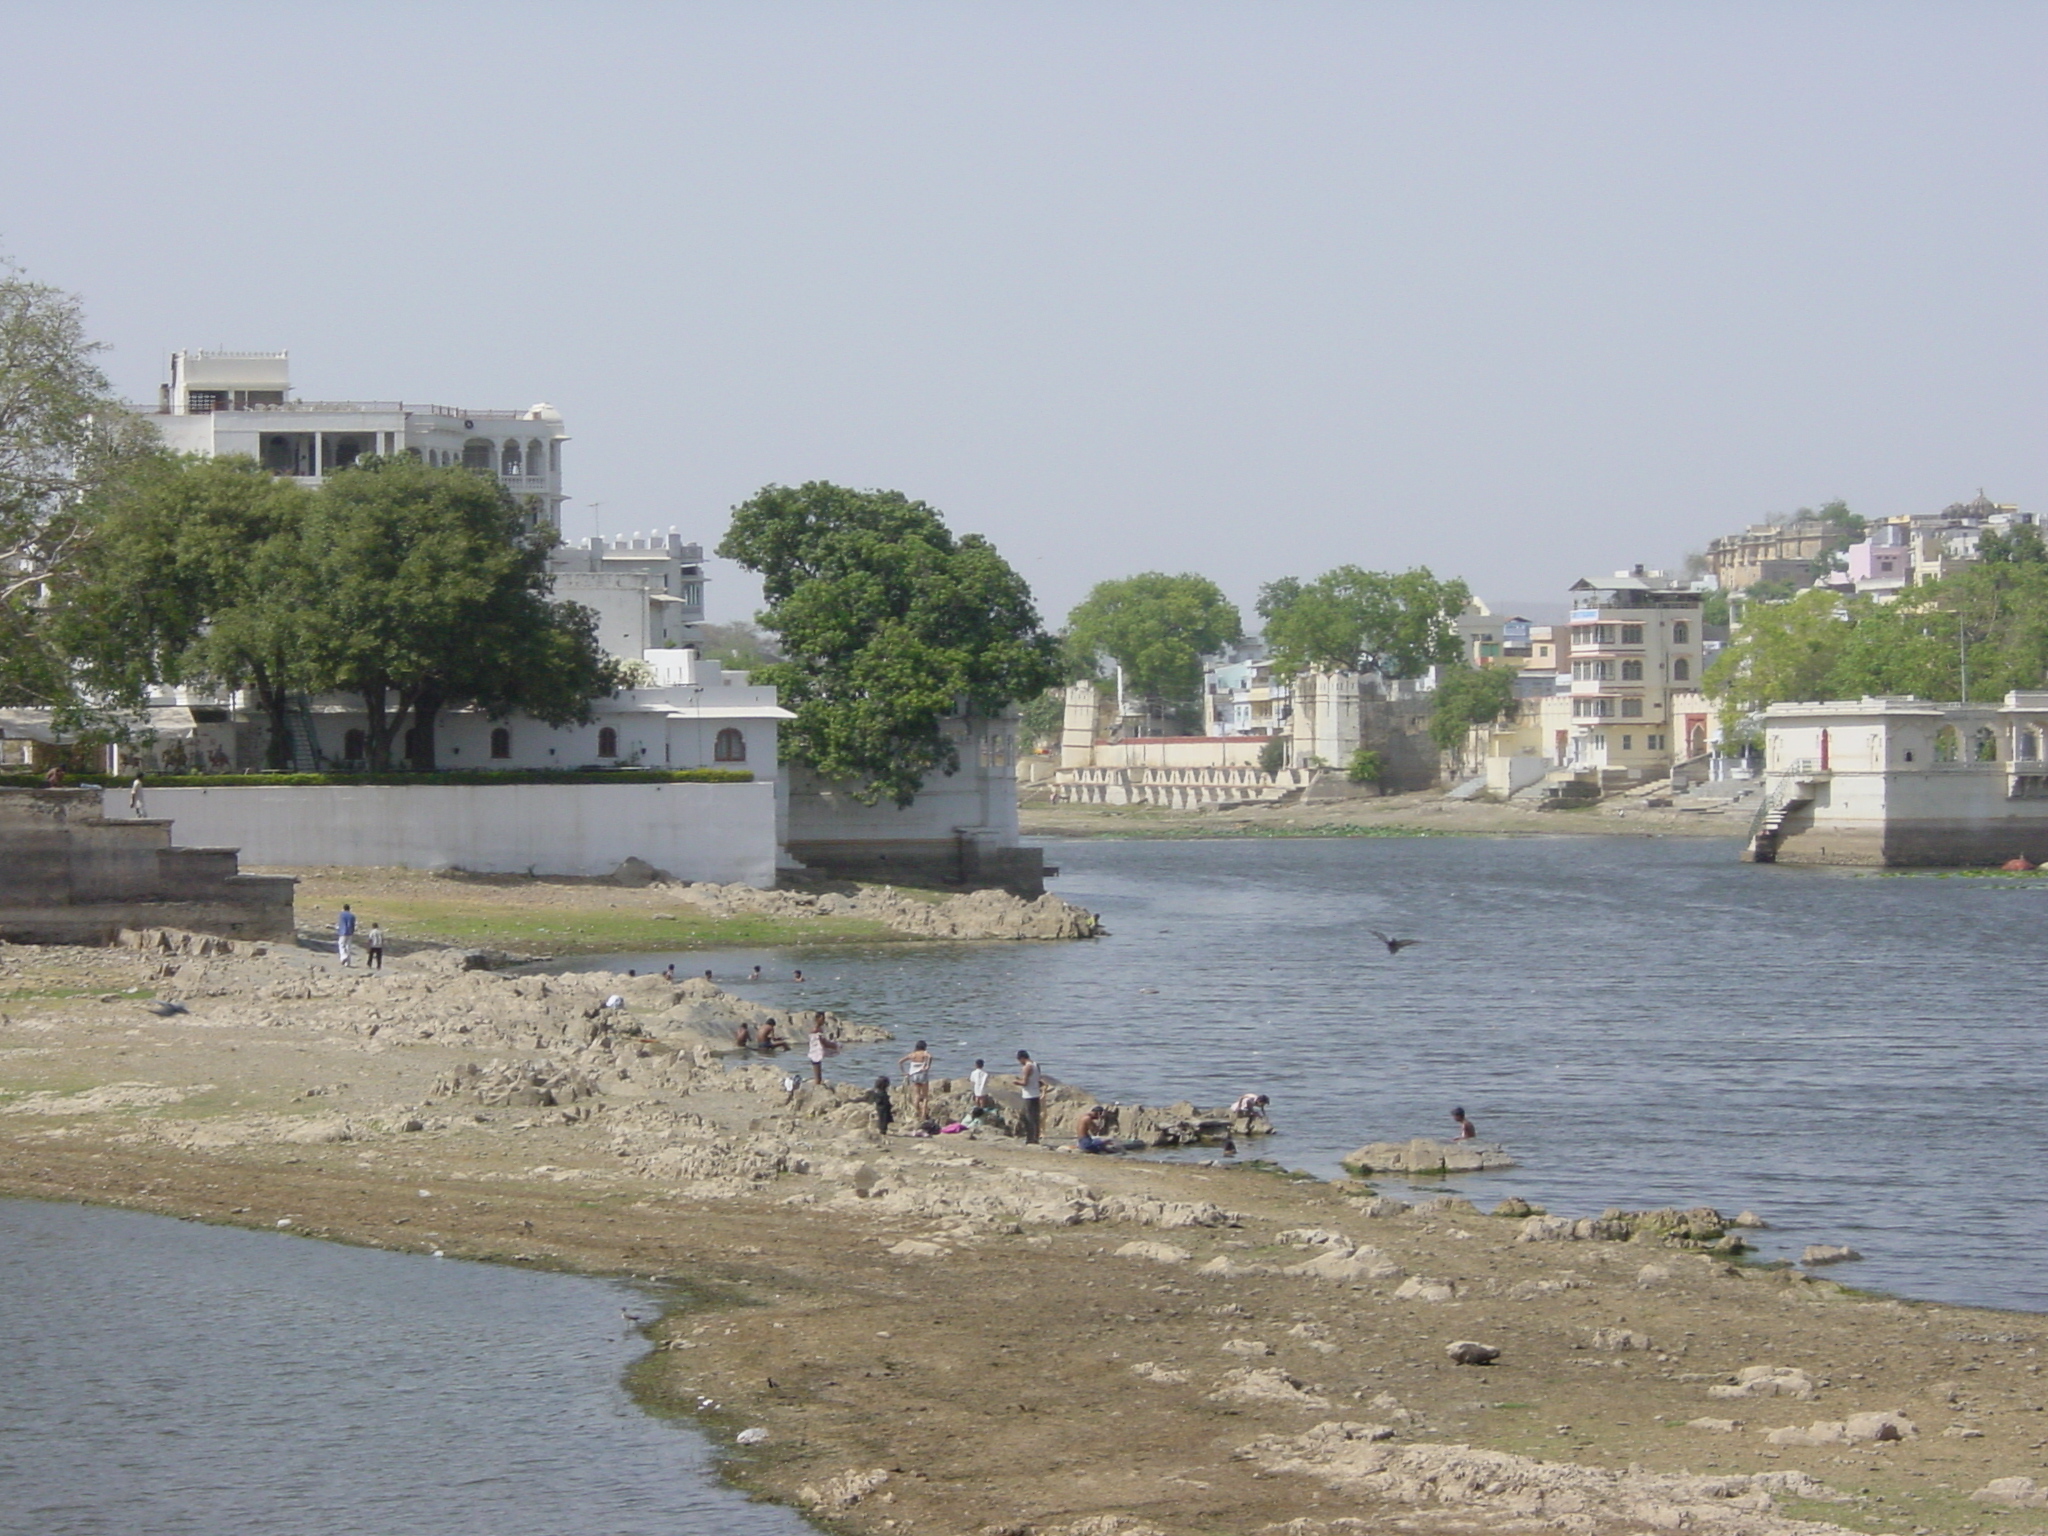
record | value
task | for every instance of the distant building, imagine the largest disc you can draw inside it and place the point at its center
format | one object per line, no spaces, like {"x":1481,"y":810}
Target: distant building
{"x":1635,"y":647}
{"x":222,"y":403}
{"x":646,"y":589}
{"x":1773,"y":552}
{"x":1899,"y":552}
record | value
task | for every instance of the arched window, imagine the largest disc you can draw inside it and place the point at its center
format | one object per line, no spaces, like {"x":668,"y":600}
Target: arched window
{"x":1696,"y":741}
{"x":508,"y":462}
{"x":353,"y":747}
{"x":607,"y":742}
{"x":1945,"y":744}
{"x":534,"y":457}
{"x":1984,"y":745}
{"x":1681,"y":633}
{"x":1681,"y":670}
{"x":731,"y":747}
{"x":555,"y":455}
{"x":501,"y":743}
{"x":476,"y":454}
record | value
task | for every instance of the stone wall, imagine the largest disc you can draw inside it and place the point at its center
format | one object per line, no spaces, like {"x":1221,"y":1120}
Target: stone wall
{"x":721,"y":832}
{"x":76,"y":876}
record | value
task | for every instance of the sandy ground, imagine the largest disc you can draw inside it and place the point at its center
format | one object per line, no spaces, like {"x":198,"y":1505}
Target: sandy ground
{"x":956,"y":1336}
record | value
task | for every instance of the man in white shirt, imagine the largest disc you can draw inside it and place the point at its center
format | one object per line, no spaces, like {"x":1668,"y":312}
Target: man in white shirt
{"x":978,"y":1081}
{"x":1031,"y":1087}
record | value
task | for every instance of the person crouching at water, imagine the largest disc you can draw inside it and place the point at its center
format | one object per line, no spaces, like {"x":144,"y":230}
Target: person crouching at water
{"x":1467,"y":1131}
{"x":766,"y":1039}
{"x":1093,"y":1133}
{"x":884,"y":1111}
{"x":1250,"y":1109}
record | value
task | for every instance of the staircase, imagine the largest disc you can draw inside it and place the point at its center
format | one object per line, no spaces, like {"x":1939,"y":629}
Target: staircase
{"x":299,"y":736}
{"x":1768,"y":825}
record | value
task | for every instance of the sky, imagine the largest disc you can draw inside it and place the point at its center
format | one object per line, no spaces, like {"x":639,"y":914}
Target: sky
{"x":1515,"y":291}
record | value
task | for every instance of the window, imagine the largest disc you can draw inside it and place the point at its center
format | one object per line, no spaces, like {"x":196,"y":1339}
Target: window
{"x":1592,"y":709}
{"x":353,"y":747}
{"x":1628,"y":743}
{"x":1681,"y":633}
{"x":1632,"y":707}
{"x":1631,"y":634}
{"x":1593,"y":671}
{"x":731,"y":747}
{"x":1945,"y":744}
{"x":534,"y":458}
{"x":501,"y":743}
{"x":508,"y":461}
{"x":1681,"y":670}
{"x":607,"y":742}
{"x":1653,"y":743}
{"x":476,"y":454}
{"x":1984,"y":745}
{"x":1631,"y":671}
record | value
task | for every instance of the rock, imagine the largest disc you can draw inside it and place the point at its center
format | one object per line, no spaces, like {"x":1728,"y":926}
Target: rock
{"x":917,"y":1248}
{"x":1748,"y":1219}
{"x":1158,"y":1253}
{"x":1651,"y":1275}
{"x":1312,"y":1237}
{"x":635,"y":874}
{"x":843,"y":1491}
{"x":1515,"y":1205}
{"x":1715,"y":1426}
{"x":1384,"y":1205}
{"x":1425,"y":1154}
{"x":1151,"y":1370}
{"x":1766,"y":1381}
{"x":1471,"y":1352}
{"x":1962,"y":1432}
{"x":1250,"y":1385}
{"x":1249,"y":1348}
{"x":1545,"y":1229}
{"x":1617,"y":1340}
{"x":1880,"y":1426}
{"x":1827,"y":1432}
{"x":1226,"y":1268}
{"x":1338,"y":1265}
{"x":2013,"y":1492}
{"x":1416,"y":1288}
{"x":1827,"y":1253}
{"x":755,"y":1436}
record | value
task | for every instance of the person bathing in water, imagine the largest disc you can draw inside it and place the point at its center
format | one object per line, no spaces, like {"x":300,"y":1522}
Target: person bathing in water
{"x":1467,"y":1131}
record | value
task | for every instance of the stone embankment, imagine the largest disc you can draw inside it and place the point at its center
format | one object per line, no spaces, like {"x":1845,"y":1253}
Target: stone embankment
{"x":987,"y":914}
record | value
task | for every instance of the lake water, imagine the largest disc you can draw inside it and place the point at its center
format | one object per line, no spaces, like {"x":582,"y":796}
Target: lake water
{"x":1641,"y":1021}
{"x":166,"y":1377}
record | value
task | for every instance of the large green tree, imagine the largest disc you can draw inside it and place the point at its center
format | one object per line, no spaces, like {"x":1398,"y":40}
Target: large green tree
{"x":65,"y":440}
{"x":195,"y":573}
{"x":1157,"y":628}
{"x":1465,"y":697}
{"x":427,"y":592}
{"x":889,"y":624}
{"x":1398,"y":624}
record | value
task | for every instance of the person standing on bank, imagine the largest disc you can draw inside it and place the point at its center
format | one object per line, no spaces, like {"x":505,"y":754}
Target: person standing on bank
{"x":373,"y":945}
{"x":135,"y":798}
{"x":345,"y":934}
{"x":1031,"y":1088}
{"x":816,"y":1051}
{"x":917,"y":1072}
{"x":885,"y":1112}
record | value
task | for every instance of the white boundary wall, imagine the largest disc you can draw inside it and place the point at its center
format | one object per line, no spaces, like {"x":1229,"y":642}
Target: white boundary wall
{"x":721,"y":832}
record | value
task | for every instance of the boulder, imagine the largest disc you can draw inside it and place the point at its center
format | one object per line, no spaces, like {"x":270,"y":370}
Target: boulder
{"x":1617,"y":1340}
{"x":1471,"y":1352}
{"x":1251,"y":1385}
{"x":1425,"y":1154}
{"x":1338,"y":1265}
{"x":1166,"y":1376}
{"x":1158,"y":1253}
{"x":1827,"y":1253}
{"x":1418,"y":1288}
{"x":2013,"y":1492}
{"x":1251,"y":1349}
{"x":634,"y":874}
{"x":1766,"y":1381}
{"x":1546,"y":1229}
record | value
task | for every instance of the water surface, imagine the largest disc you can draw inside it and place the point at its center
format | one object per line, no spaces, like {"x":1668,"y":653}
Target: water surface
{"x":1642,"y":1021}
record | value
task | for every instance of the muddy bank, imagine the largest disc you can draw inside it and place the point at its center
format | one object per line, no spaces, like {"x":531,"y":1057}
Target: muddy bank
{"x":966,"y":1335}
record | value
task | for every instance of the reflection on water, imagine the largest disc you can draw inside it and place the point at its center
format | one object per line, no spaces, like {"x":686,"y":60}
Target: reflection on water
{"x":1642,"y":1021}
{"x":165,"y":1377}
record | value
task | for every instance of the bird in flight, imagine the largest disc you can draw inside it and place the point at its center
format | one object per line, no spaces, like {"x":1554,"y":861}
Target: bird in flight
{"x":1394,"y":946}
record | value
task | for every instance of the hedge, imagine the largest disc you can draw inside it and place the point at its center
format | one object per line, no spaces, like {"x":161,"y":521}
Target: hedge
{"x":599,"y":777}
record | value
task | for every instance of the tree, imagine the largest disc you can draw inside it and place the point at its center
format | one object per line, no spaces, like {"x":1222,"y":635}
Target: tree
{"x":426,"y":592}
{"x":1273,"y":755}
{"x":1367,"y":766}
{"x":2022,"y":545}
{"x":1042,"y":719}
{"x":889,"y":625}
{"x":1397,"y":624}
{"x":738,"y":647}
{"x":1465,"y":697}
{"x":1157,"y":628}
{"x":64,"y":440}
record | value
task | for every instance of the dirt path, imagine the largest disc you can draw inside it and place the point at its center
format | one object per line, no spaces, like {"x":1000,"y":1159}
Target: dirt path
{"x":949,"y":1336}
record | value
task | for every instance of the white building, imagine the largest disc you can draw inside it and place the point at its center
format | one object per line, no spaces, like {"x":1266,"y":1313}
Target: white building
{"x":646,"y":589}
{"x":222,"y":403}
{"x":1905,"y":781}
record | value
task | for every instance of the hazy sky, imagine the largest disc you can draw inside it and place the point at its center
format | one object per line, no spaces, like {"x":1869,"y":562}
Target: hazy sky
{"x":1515,"y":291}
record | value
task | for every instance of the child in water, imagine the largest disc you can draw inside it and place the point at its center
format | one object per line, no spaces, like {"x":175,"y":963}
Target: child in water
{"x":1467,"y":1131}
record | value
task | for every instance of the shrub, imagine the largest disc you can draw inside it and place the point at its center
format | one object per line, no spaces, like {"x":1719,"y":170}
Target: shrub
{"x":1273,"y":755}
{"x":1367,"y":767}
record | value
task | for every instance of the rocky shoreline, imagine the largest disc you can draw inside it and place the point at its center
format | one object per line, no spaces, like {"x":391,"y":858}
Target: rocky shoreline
{"x":962,"y":1334}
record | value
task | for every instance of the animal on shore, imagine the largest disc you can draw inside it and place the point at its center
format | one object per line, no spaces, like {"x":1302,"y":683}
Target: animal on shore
{"x":1394,"y":946}
{"x":164,"y":1008}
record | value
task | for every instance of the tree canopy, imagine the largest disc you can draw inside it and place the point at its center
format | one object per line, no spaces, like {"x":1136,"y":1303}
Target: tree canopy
{"x":1157,"y":628}
{"x":1465,"y":697}
{"x":888,"y":624}
{"x":1974,"y":635}
{"x":65,"y":439}
{"x":1398,"y":624}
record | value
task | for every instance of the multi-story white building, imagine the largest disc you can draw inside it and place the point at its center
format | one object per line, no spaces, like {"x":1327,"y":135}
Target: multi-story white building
{"x":1635,"y":649}
{"x":221,"y":403}
{"x":646,"y":589}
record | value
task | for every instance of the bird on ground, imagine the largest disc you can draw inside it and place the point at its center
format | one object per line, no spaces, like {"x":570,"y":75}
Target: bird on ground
{"x":1394,"y":946}
{"x":164,"y":1008}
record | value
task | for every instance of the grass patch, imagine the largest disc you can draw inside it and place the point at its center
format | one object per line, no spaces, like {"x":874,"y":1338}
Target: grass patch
{"x":478,"y":922}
